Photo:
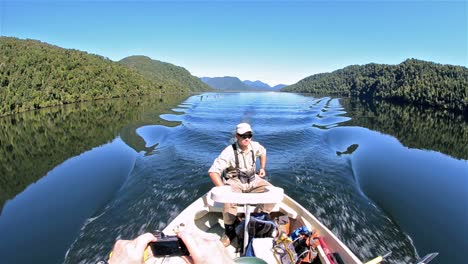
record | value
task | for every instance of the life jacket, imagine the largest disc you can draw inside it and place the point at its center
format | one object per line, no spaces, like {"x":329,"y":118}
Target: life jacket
{"x":305,"y":244}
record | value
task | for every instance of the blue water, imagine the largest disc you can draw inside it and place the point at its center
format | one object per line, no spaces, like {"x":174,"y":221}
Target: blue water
{"x":375,"y":193}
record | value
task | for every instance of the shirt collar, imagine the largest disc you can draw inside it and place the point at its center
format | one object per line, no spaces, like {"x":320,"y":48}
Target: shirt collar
{"x":239,"y":149}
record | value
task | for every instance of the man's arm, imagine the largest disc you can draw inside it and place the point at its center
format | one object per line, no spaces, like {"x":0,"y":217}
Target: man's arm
{"x":216,"y":178}
{"x":220,"y":164}
{"x":262,"y":171}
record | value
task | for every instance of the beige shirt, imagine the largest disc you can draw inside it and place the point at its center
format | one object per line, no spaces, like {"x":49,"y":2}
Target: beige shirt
{"x":226,"y":160}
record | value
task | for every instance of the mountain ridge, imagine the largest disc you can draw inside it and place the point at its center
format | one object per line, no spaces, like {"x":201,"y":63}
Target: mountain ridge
{"x":226,"y":83}
{"x":35,"y":74}
{"x":175,"y":76}
{"x":230,"y":83}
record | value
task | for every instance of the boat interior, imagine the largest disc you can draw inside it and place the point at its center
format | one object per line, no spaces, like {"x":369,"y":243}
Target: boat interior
{"x":205,"y":215}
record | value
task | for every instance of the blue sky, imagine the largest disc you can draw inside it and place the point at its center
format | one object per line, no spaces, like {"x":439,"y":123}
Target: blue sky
{"x":272,"y":41}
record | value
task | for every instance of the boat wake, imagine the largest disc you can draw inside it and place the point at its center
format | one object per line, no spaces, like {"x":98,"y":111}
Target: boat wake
{"x":304,"y":159}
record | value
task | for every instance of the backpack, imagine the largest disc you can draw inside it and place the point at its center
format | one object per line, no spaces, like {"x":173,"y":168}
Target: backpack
{"x":260,"y":226}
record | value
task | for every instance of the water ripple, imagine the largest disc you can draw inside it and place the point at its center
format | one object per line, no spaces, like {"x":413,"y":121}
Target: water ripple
{"x":312,"y":165}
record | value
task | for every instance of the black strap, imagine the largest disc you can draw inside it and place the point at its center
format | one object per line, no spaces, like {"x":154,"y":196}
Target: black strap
{"x":242,"y":178}
{"x":234,"y":146}
{"x":239,"y":176}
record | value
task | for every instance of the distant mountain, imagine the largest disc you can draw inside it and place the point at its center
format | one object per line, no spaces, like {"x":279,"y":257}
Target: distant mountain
{"x":226,"y":83}
{"x":412,"y":81}
{"x":234,"y":84}
{"x":278,"y":87}
{"x":257,"y":85}
{"x":172,"y":76}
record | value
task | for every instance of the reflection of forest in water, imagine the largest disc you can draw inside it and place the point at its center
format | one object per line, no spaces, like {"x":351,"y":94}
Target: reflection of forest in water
{"x":33,"y":143}
{"x":414,"y":127}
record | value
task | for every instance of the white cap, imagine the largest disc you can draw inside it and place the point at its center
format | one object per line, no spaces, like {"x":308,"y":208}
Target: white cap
{"x":243,"y":128}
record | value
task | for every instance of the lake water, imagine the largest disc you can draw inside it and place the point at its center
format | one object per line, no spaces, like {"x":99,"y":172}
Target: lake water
{"x":382,"y":177}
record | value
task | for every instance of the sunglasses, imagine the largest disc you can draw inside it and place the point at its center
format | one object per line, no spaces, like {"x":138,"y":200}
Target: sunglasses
{"x":245,"y":136}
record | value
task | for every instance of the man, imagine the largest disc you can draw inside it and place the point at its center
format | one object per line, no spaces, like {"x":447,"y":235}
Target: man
{"x":238,"y":162}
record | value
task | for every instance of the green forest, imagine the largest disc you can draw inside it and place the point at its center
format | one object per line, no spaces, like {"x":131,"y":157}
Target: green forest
{"x":173,"y":76}
{"x":412,"y":81}
{"x":34,"y":75}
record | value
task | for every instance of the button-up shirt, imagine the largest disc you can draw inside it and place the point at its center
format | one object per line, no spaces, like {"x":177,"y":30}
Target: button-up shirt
{"x":226,"y":160}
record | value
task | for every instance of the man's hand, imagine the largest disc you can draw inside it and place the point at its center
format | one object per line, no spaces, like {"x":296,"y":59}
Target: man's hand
{"x":204,"y":248}
{"x":262,"y":173}
{"x":131,"y":251}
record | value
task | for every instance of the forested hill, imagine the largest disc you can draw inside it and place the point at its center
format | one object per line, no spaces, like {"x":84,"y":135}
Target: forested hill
{"x":413,"y":81}
{"x":173,"y":76}
{"x":226,"y":83}
{"x":34,"y":74}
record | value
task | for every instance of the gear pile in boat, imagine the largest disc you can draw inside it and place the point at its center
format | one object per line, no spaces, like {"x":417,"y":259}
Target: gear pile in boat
{"x":268,"y":235}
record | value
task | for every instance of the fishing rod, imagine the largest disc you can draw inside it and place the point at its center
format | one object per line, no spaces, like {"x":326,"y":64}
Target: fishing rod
{"x":424,"y":260}
{"x":428,"y":258}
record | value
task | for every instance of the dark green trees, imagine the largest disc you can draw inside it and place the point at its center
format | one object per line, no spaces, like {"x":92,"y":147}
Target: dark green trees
{"x":168,"y":75}
{"x":35,"y":75}
{"x":413,"y":81}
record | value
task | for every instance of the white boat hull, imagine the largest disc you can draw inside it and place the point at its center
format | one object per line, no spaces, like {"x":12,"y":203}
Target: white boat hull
{"x":206,"y":215}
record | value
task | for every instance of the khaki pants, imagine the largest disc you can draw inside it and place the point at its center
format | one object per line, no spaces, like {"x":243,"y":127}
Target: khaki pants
{"x":256,"y":186}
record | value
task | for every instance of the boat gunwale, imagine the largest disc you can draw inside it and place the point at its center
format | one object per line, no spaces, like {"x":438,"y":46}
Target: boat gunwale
{"x":205,"y":205}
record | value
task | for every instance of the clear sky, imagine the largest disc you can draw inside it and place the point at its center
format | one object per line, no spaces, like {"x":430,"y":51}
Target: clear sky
{"x":272,"y":41}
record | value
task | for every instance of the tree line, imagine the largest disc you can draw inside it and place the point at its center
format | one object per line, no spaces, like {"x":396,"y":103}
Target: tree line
{"x":162,"y":72}
{"x":34,"y":75}
{"x":412,"y":81}
{"x":33,"y":143}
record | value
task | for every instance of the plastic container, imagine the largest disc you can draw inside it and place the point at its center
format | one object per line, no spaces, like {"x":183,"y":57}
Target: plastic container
{"x":249,"y":260}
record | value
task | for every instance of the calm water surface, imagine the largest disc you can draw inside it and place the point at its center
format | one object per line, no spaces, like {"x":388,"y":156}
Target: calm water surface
{"x":382,"y":177}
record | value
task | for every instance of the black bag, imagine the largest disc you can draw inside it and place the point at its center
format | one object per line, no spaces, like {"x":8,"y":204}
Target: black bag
{"x":259,"y":226}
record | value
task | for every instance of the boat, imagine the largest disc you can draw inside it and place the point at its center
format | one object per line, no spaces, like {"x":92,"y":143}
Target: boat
{"x":205,"y":214}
